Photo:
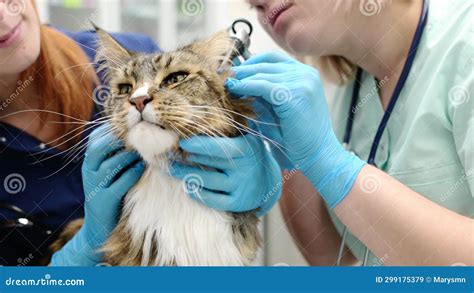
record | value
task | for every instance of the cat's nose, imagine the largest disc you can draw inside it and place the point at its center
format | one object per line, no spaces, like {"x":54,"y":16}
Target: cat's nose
{"x":140,"y":102}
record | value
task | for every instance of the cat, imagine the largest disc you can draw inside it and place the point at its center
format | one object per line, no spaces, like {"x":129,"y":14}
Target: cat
{"x":156,"y":100}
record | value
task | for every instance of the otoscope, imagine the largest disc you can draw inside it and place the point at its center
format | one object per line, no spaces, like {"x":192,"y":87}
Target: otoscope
{"x":241,"y":37}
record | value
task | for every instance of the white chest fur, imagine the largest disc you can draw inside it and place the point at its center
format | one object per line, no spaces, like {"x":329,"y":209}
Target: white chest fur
{"x":185,"y":232}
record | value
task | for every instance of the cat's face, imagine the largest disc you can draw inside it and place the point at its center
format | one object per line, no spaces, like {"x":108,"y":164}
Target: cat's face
{"x":158,"y":99}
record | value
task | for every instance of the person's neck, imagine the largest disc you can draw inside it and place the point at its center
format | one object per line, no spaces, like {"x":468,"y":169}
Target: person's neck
{"x":380,"y":44}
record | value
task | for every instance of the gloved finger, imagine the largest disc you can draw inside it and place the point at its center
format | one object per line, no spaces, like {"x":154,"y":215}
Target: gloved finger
{"x":208,"y":179}
{"x":221,"y":147}
{"x":244,"y":71}
{"x":278,"y":78}
{"x":213,"y":162}
{"x":255,"y":88}
{"x":118,"y":162}
{"x":99,"y":149}
{"x":217,"y":201}
{"x":127,"y":180}
{"x":272,"y":57}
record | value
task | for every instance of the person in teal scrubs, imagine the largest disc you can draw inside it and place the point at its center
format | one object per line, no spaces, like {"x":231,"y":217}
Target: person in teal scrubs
{"x":416,"y":207}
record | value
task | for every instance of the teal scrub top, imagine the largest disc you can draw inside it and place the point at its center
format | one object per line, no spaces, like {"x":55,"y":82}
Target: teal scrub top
{"x":428,"y":144}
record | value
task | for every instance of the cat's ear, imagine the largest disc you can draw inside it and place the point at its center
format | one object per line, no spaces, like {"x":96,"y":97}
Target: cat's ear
{"x":214,"y":48}
{"x":110,"y":53}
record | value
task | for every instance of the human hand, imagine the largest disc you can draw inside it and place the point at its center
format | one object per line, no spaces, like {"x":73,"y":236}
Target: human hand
{"x":243,"y":175}
{"x":296,"y":95}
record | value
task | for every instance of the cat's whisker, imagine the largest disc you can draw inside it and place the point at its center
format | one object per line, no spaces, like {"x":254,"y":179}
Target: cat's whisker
{"x":211,"y":132}
{"x":66,"y":151}
{"x":74,"y":66}
{"x":235,"y":113}
{"x":243,"y":127}
{"x":77,"y":152}
{"x":96,"y":122}
{"x":85,"y":125}
{"x":76,"y":148}
{"x":233,"y":120}
{"x":42,"y":111}
{"x":225,"y":122}
{"x":87,"y":128}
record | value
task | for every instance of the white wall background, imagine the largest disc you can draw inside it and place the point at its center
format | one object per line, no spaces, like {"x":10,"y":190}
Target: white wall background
{"x":164,"y":21}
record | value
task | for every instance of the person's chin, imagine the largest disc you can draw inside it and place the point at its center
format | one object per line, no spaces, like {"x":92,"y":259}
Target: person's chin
{"x":297,"y":41}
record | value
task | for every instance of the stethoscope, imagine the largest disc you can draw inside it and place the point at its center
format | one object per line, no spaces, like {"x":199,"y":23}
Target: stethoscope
{"x":391,"y":106}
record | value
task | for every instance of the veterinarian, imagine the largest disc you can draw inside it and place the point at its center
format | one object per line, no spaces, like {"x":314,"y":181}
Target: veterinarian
{"x":46,"y":77}
{"x":402,"y":182}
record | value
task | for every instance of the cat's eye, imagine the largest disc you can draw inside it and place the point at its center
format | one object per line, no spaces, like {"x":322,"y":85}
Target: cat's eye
{"x":125,"y":88}
{"x":174,"y":78}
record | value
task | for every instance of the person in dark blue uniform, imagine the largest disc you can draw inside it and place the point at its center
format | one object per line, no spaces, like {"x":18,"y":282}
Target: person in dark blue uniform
{"x":42,"y":177}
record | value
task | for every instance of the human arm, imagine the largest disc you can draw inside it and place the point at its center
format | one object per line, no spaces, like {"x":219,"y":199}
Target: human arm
{"x":404,"y":227}
{"x":308,"y":221}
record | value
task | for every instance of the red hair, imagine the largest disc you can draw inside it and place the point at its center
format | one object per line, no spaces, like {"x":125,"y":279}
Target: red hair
{"x":65,"y":78}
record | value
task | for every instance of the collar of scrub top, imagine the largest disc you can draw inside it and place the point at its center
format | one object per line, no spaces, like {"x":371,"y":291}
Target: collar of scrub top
{"x":396,"y":94}
{"x":16,"y":139}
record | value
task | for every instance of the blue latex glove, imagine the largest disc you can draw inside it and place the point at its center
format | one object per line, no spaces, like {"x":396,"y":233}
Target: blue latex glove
{"x":296,"y":94}
{"x":104,"y":190}
{"x":243,"y":175}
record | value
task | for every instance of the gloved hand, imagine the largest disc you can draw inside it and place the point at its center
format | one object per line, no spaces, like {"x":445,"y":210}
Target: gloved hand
{"x":243,"y":176}
{"x":296,"y":94}
{"x":103,"y":190}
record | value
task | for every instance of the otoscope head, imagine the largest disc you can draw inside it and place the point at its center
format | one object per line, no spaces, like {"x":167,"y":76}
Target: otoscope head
{"x":241,"y":38}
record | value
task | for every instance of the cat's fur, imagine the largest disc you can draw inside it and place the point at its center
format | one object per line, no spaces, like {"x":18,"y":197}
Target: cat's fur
{"x":160,"y":224}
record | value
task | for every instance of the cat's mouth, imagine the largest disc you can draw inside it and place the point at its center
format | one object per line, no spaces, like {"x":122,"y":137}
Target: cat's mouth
{"x":147,"y":135}
{"x":152,"y":123}
{"x":146,"y":116}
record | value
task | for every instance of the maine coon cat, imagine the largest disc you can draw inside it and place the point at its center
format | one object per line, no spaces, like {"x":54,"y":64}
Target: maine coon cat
{"x":156,"y":100}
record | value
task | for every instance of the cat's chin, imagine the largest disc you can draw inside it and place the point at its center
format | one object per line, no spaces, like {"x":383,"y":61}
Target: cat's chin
{"x":151,"y":141}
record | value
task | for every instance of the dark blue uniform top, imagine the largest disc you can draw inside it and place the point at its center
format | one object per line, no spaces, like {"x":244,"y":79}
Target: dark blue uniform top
{"x":51,"y":197}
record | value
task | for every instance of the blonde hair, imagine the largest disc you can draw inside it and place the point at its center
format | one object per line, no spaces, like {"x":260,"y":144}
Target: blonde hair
{"x":335,"y":69}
